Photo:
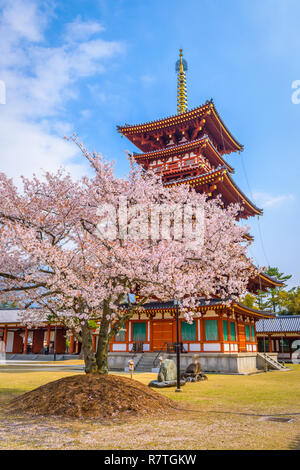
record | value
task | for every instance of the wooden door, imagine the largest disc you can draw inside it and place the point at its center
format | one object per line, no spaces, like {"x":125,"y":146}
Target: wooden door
{"x":37,"y":341}
{"x":60,"y":341}
{"x":242,"y":338}
{"x":18,"y":343}
{"x":162,"y":332}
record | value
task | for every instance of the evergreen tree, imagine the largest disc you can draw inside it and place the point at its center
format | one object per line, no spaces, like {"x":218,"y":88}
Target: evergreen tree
{"x":276,"y":299}
{"x":273,"y":294}
{"x":290,"y":301}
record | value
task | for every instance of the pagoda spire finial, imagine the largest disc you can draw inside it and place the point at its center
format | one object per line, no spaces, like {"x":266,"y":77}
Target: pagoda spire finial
{"x":181,"y":68}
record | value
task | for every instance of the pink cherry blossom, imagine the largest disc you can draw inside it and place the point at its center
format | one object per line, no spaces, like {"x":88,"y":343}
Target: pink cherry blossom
{"x":51,"y":255}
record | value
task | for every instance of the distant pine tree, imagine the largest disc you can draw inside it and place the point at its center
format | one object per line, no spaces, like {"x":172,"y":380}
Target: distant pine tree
{"x":290,"y":301}
{"x":273,"y":294}
{"x":277,"y":300}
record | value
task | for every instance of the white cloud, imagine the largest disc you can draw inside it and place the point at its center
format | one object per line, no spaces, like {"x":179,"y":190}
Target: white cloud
{"x":85,"y":113}
{"x":265,"y":200}
{"x":82,"y":30}
{"x":40,"y":81}
{"x":23,"y":19}
{"x":148,"y":79}
{"x":30,"y":148}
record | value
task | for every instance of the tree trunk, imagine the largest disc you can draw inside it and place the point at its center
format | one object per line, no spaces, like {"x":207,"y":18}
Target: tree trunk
{"x":88,"y":350}
{"x":103,"y":342}
{"x":106,"y":333}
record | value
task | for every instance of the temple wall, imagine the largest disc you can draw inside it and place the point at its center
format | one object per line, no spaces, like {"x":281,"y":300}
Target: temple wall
{"x":238,"y":363}
{"x":119,"y":361}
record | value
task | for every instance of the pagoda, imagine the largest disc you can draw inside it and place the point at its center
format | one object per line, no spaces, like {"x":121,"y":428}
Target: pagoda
{"x":190,"y":148}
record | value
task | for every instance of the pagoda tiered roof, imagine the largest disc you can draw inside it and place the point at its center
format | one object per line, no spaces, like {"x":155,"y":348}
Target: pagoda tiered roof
{"x":219,"y":181}
{"x":204,"y":144}
{"x":192,"y":124}
{"x":263,"y":282}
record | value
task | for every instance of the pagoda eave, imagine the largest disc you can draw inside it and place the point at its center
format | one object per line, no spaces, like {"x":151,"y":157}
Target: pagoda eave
{"x":262,"y":282}
{"x":248,"y":237}
{"x":243,"y":310}
{"x":191,"y":124}
{"x":234,"y":195}
{"x":219,"y":182}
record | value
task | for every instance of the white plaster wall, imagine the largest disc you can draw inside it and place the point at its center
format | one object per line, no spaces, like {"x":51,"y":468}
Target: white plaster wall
{"x":119,"y":347}
{"x":211,"y":347}
{"x":194,"y":347}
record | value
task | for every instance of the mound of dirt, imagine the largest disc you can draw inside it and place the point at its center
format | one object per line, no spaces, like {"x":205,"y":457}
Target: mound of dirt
{"x":92,"y":396}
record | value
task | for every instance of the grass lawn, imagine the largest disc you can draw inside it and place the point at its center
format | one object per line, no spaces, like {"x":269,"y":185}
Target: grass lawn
{"x":224,"y":412}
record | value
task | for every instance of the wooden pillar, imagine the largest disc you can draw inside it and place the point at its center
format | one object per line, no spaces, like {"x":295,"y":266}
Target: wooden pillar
{"x":270,"y":343}
{"x":48,"y":336}
{"x":199,"y":333}
{"x":94,"y":342}
{"x":237,"y":333}
{"x":25,"y":341}
{"x":71,"y":349}
{"x":151,"y":335}
{"x":202,"y":331}
{"x":5,"y":336}
{"x":221,"y":332}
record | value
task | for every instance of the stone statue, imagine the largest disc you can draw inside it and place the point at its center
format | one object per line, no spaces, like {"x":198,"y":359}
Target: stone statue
{"x":193,"y":372}
{"x":167,"y":371}
{"x":167,"y":375}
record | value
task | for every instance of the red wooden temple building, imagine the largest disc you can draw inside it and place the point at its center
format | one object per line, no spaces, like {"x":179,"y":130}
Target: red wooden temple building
{"x":21,"y":339}
{"x":280,"y":335}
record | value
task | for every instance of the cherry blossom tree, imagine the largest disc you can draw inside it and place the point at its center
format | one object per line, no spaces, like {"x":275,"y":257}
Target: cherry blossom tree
{"x":79,"y":249}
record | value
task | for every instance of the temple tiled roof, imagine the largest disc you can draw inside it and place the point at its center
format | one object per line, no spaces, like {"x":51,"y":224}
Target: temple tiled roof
{"x":209,"y":175}
{"x":169,"y":120}
{"x":263,"y":282}
{"x":207,"y":304}
{"x":227,"y":183}
{"x":278,"y":324}
{"x":262,"y":313}
{"x":272,"y":279}
{"x":206,"y":112}
{"x":10,"y":315}
{"x":243,"y":196}
{"x":171,"y":304}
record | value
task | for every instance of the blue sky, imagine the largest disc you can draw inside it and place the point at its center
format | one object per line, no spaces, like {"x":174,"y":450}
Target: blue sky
{"x":86,"y":66}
